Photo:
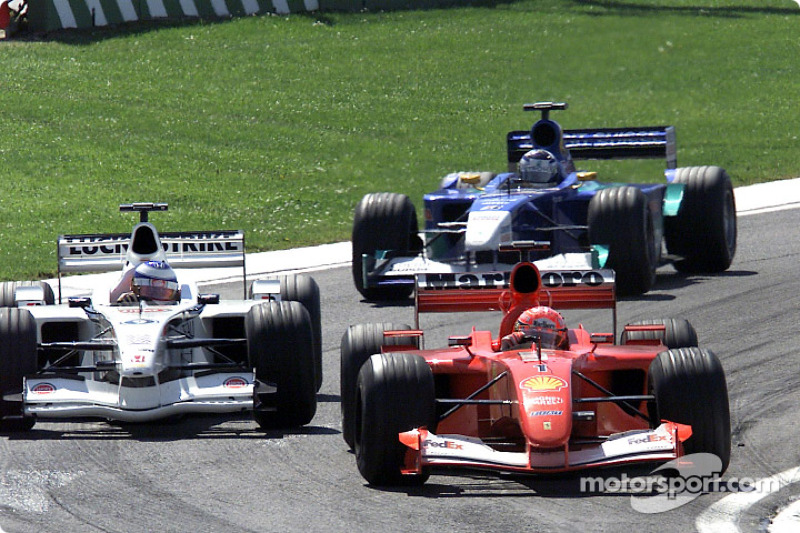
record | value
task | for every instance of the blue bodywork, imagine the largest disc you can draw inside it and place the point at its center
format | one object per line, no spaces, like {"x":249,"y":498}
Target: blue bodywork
{"x":554,"y":217}
{"x":479,"y":220}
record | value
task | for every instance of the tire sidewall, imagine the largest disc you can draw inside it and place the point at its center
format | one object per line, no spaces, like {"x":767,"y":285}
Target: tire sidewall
{"x":280,"y":349}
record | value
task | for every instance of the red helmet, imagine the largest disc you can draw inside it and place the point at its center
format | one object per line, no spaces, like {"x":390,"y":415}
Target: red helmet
{"x":545,"y":323}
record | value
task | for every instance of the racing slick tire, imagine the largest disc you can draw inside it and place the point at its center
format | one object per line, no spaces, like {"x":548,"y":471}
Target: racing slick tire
{"x":690,"y":388}
{"x":18,"y":358}
{"x":8,"y":288}
{"x":383,"y":221}
{"x":678,"y":333}
{"x":704,"y":231}
{"x":395,"y":393}
{"x":280,"y":346}
{"x":619,"y":217}
{"x":359,"y":342}
{"x":304,"y":289}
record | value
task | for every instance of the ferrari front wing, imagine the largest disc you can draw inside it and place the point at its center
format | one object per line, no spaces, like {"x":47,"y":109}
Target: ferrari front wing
{"x":426,"y":449}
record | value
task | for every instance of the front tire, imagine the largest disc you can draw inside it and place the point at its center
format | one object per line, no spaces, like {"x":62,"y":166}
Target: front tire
{"x":395,"y":393}
{"x":619,"y":217}
{"x":690,"y":388}
{"x":18,"y":358}
{"x":280,"y":346}
{"x":704,"y":230}
{"x":383,"y":221}
{"x":359,"y":342}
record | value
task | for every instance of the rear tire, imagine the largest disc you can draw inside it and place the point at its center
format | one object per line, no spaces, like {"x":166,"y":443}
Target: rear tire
{"x":678,"y":333}
{"x":620,"y":218}
{"x":704,"y":231}
{"x":18,"y":358}
{"x":359,"y":342}
{"x":383,"y":221}
{"x":280,"y":345}
{"x":690,"y":388}
{"x":8,"y":288}
{"x":395,"y":393}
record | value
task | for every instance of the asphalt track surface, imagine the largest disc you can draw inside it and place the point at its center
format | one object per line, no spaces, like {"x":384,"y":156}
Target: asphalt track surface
{"x":221,"y":473}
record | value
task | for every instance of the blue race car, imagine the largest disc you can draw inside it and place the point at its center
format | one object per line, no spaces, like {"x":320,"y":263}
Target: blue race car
{"x":545,"y":210}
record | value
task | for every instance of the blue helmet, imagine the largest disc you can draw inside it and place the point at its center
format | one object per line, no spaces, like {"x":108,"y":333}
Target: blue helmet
{"x":155,"y":280}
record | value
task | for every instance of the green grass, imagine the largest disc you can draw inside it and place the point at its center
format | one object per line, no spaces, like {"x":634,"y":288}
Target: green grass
{"x":278,"y":125}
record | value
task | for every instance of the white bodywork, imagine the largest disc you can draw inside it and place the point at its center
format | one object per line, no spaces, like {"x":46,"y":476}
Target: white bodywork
{"x":486,"y":230}
{"x":141,"y":361}
{"x":134,"y":384}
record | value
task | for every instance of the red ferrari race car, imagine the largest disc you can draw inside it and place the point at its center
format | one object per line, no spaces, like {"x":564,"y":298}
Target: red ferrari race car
{"x":539,"y":397}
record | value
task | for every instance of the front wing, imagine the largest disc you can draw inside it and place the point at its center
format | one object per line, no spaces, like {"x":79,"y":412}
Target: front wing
{"x":74,"y":397}
{"x":426,"y":449}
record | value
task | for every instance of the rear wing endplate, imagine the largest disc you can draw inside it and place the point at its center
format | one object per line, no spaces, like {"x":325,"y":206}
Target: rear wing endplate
{"x":187,"y":249}
{"x":607,"y":143}
{"x":490,"y":291}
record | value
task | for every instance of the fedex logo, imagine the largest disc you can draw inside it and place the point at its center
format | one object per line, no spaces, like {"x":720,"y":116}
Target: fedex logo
{"x":448,"y":444}
{"x":648,"y":438}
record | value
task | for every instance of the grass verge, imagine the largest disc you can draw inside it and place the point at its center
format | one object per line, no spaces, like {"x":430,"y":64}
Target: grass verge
{"x":278,"y":125}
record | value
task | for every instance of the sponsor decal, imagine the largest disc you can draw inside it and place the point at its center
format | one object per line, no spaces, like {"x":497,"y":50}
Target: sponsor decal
{"x":648,"y":438}
{"x":416,"y":264}
{"x":571,"y":279}
{"x":43,"y":388}
{"x":235,"y":383}
{"x":547,"y":413}
{"x":547,"y":426}
{"x":500,"y":280}
{"x":138,"y":339}
{"x":546,"y":400}
{"x":486,"y":280}
{"x":450,"y":445}
{"x":543,"y":384}
{"x":138,"y":321}
{"x":185,"y":243}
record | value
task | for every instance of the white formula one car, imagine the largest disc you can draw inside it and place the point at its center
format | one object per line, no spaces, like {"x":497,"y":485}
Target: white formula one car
{"x":141,"y":360}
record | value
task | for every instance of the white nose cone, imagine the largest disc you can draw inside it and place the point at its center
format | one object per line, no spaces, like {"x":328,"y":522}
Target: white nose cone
{"x":487,"y":229}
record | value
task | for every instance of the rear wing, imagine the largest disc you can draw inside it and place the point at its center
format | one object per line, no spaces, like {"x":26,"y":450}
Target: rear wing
{"x":606,"y":143}
{"x":186,"y":249}
{"x":492,"y":291}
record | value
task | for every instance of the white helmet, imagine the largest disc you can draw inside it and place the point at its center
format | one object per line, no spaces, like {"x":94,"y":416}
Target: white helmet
{"x":538,"y":167}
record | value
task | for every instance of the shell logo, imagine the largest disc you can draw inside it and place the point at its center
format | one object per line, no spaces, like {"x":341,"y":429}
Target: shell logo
{"x":543,"y":384}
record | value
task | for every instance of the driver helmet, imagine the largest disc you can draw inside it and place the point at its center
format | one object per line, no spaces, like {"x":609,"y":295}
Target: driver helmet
{"x":155,"y":281}
{"x":545,"y":323}
{"x":538,"y":167}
